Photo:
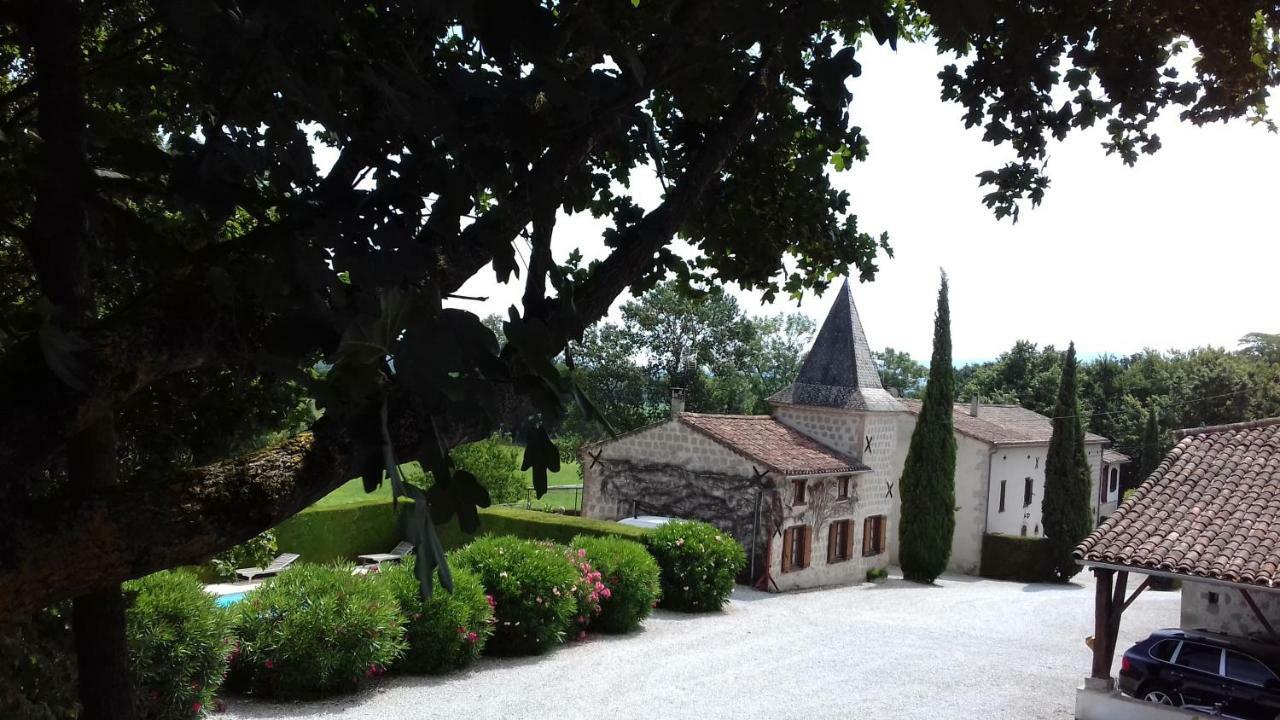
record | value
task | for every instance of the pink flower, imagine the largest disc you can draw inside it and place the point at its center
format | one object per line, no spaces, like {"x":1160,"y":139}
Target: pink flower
{"x":195,"y":707}
{"x":154,"y":696}
{"x":582,"y":553}
{"x":582,"y":619}
{"x":268,"y":664}
{"x":462,"y":630}
{"x":492,"y":603}
{"x":472,"y":637}
{"x":582,"y":634}
{"x":599,"y":585}
{"x":606,"y":593}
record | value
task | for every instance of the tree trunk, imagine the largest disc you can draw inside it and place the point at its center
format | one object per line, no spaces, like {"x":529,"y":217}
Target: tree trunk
{"x":102,"y":656}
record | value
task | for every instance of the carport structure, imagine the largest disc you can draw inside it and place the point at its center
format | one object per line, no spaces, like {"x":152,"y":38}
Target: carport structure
{"x":1209,"y":516}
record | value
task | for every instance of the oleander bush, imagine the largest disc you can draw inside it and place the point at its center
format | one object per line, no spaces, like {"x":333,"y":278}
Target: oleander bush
{"x":627,"y":581}
{"x":446,"y":632}
{"x":38,"y":667}
{"x":588,"y":590}
{"x":533,"y":585}
{"x":699,"y":564}
{"x":178,"y":641}
{"x":315,"y":630}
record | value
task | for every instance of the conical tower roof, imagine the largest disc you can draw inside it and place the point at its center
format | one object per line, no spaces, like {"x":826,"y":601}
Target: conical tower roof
{"x":839,"y":371}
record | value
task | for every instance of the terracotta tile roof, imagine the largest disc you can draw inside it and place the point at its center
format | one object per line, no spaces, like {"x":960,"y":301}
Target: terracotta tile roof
{"x":1111,"y":457}
{"x":769,"y":442}
{"x":1002,"y":424}
{"x":1211,"y":510}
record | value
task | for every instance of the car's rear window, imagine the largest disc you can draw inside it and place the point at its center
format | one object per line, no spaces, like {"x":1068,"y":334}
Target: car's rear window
{"x":1246,"y":669}
{"x":1200,"y":657}
{"x":1163,"y":650}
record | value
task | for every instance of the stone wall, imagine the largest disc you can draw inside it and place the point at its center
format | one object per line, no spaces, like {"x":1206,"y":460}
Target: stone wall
{"x":1223,"y":609}
{"x":840,"y":430}
{"x":819,"y":513}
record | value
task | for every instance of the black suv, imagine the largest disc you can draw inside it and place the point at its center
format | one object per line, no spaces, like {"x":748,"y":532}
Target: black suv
{"x":1206,"y":672}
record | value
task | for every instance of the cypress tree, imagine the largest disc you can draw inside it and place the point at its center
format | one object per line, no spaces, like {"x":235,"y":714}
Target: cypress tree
{"x":928,"y":484}
{"x":1066,"y":513}
{"x":1152,"y":452}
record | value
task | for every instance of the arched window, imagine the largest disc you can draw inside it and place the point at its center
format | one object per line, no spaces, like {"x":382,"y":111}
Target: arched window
{"x":1115,"y":478}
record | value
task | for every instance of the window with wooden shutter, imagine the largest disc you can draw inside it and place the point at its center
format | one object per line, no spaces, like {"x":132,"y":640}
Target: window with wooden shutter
{"x":797,"y":542}
{"x":797,"y":492}
{"x":842,"y":487}
{"x":786,"y":550}
{"x":874,"y":530}
{"x":839,"y":541}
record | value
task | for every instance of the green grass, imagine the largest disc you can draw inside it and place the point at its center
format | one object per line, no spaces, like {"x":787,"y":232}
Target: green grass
{"x":353,"y":490}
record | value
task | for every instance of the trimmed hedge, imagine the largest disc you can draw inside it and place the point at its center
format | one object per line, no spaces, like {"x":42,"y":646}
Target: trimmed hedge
{"x":340,"y":533}
{"x":1017,"y":558}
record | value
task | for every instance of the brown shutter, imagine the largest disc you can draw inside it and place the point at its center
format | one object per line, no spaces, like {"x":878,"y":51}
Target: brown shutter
{"x":867,"y":527}
{"x":786,"y":549}
{"x":806,"y":532}
{"x":831,"y":543}
{"x":848,"y":539}
{"x":884,"y":533}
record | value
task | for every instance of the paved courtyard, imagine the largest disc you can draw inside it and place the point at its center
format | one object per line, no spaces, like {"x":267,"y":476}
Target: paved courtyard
{"x":968,"y":648}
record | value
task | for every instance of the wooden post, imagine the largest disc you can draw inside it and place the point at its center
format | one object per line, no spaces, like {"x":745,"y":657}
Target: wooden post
{"x":1102,"y":626}
{"x":1117,"y":609}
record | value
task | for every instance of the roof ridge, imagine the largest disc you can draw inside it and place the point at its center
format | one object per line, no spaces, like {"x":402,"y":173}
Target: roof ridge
{"x":1228,"y":427}
{"x":724,"y":415}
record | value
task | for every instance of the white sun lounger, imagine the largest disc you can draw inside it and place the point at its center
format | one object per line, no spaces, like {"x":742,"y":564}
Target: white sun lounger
{"x":275,"y":568}
{"x":396,"y":555}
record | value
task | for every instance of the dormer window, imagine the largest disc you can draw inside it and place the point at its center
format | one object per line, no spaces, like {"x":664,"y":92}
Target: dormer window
{"x":842,"y":487}
{"x":797,"y":492}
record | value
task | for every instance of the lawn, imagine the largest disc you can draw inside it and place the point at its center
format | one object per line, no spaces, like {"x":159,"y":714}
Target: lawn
{"x":353,"y":491}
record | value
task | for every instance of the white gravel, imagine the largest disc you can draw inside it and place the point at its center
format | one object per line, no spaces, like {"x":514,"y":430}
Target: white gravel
{"x":966,"y":648}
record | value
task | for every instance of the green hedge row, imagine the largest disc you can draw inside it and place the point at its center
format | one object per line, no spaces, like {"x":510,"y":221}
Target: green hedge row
{"x":1012,"y":557}
{"x":331,"y":534}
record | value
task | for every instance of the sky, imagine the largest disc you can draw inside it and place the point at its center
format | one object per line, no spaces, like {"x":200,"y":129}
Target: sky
{"x":1179,"y":251}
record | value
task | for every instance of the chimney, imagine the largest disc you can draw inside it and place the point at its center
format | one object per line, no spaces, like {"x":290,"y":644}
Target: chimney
{"x":973,"y":406}
{"x":677,"y":401}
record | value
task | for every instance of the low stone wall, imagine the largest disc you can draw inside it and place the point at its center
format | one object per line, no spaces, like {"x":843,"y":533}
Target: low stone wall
{"x":1103,"y":705}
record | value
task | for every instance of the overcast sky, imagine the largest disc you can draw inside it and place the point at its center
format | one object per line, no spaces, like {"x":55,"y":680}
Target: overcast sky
{"x":1177,"y":252}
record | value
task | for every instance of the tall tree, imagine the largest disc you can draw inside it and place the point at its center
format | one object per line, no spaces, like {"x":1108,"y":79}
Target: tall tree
{"x":164,"y":210}
{"x":1152,"y":451}
{"x":928,"y":484}
{"x":1065,"y":509}
{"x":900,"y":371}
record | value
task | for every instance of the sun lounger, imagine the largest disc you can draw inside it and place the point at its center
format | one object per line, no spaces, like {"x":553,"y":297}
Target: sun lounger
{"x":275,"y":568}
{"x":396,"y":555}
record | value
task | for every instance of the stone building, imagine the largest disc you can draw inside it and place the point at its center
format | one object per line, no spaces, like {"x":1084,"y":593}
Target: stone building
{"x":811,"y":488}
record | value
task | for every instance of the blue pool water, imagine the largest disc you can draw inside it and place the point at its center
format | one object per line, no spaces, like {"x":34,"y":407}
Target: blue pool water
{"x":228,"y":600}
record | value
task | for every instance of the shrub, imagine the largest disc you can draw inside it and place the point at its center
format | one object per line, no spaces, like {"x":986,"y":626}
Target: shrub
{"x":37,"y":667}
{"x":1017,"y":558}
{"x":315,"y":630}
{"x":257,"y":552}
{"x":877,"y":573}
{"x":496,"y":464}
{"x":629,"y":581}
{"x":533,"y":585}
{"x":588,"y":590}
{"x":444,"y":633}
{"x":178,"y":644}
{"x":699,"y":564}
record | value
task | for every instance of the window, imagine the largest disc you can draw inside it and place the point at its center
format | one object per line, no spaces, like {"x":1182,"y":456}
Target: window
{"x":1028,"y":486}
{"x":842,"y":487}
{"x":1115,"y":478}
{"x":797,"y":492}
{"x":796,"y":541}
{"x":1003,"y":483}
{"x":1200,"y":657}
{"x":1163,"y":650}
{"x":1246,"y":669}
{"x":840,"y":541}
{"x":873,"y":534}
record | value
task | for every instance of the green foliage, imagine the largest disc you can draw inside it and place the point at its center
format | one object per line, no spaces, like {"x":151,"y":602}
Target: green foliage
{"x":37,"y":668}
{"x":1016,"y":558}
{"x":1066,"y":508}
{"x":495,"y":462}
{"x":535,"y":525}
{"x":334,"y":533}
{"x":446,"y":632}
{"x":899,"y":370}
{"x":630,"y":581}
{"x":178,"y":644}
{"x":1153,"y":450}
{"x":877,"y":573}
{"x":929,"y":474}
{"x":257,"y":552}
{"x":699,"y":565}
{"x":314,"y":630}
{"x":533,"y":585}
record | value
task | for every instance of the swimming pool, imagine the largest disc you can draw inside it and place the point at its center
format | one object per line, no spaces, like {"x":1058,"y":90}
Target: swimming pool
{"x":229,"y":599}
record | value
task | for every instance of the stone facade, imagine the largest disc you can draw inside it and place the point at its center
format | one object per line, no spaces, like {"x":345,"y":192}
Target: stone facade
{"x":1223,"y":609}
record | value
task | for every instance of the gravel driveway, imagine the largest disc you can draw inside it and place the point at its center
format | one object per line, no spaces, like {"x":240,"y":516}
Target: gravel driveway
{"x":966,"y":648}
